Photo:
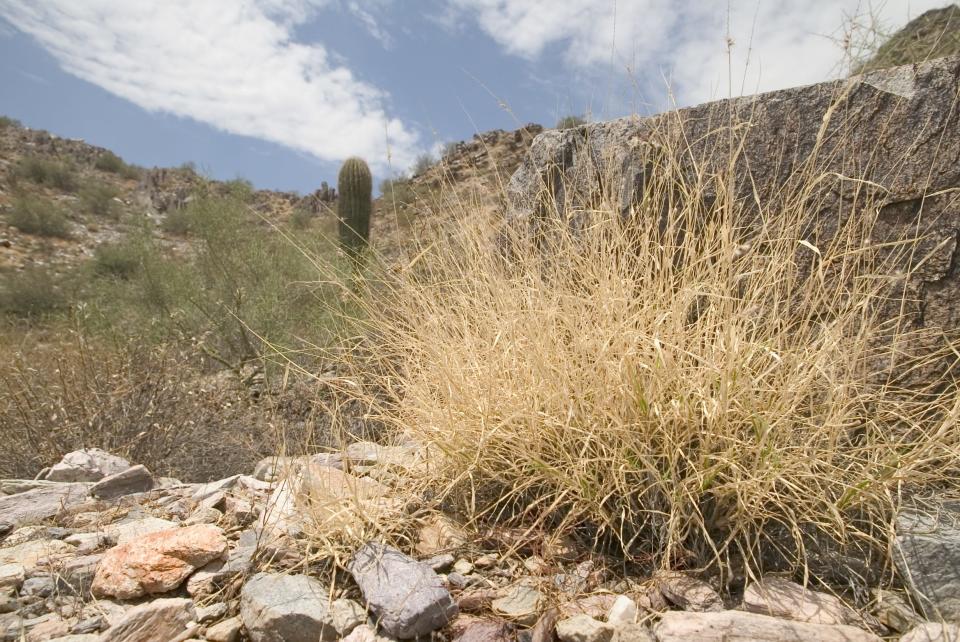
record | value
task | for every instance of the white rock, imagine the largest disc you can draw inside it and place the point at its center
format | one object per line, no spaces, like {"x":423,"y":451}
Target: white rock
{"x":724,"y":626}
{"x":782,"y":598}
{"x":583,"y":628}
{"x":88,"y":465}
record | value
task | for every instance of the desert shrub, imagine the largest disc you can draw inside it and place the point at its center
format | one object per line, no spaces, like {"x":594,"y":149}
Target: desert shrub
{"x":301,"y":218}
{"x":51,"y":173}
{"x":6,"y":121}
{"x":178,"y":221}
{"x":40,"y":216}
{"x":423,"y":163}
{"x":110,"y":162}
{"x":397,"y":190}
{"x":145,"y":403}
{"x":122,"y":259}
{"x":569,"y":122}
{"x":698,"y":392}
{"x":33,"y":294}
{"x":97,"y":199}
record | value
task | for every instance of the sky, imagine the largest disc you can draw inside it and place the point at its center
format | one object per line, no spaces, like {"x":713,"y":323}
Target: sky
{"x":279,"y":92}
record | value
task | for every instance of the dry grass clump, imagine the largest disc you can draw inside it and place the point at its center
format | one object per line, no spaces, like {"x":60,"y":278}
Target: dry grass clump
{"x":703,"y":381}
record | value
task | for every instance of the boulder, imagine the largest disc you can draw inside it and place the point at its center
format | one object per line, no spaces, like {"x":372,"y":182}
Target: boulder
{"x":893,"y":130}
{"x":158,"y":562}
{"x":87,"y":465}
{"x":136,"y":479}
{"x":723,"y":626}
{"x":407,"y":597}
{"x":162,"y":619}
{"x":286,"y":608}
{"x":927,"y":555}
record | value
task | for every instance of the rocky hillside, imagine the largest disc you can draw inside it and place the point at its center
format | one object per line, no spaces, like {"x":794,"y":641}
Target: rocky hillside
{"x":98,"y":550}
{"x":934,"y":34}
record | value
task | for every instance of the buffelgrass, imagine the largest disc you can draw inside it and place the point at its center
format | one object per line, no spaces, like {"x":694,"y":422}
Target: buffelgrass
{"x":40,"y":216}
{"x":705,"y":380}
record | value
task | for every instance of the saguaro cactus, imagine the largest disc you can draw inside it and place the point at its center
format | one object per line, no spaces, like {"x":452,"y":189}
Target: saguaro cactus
{"x":355,"y":186}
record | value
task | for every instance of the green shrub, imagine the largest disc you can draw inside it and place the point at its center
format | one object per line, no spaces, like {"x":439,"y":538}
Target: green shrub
{"x":40,"y":216}
{"x":397,"y":191}
{"x":97,"y":199}
{"x":423,"y":163}
{"x":301,"y":218}
{"x":178,"y":221}
{"x":30,"y":294}
{"x":6,"y":121}
{"x":569,"y":122}
{"x":50,"y":173}
{"x":110,"y":162}
{"x":121,"y":259}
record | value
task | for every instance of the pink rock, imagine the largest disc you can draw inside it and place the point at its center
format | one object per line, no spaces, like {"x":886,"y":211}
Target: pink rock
{"x":157,"y":562}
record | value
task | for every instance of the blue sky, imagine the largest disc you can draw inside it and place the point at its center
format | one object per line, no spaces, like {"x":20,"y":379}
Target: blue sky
{"x":280,"y":91}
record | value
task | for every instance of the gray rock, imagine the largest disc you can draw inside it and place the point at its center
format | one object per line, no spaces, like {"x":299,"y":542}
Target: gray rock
{"x":42,"y":503}
{"x":407,"y":597}
{"x":440,"y":562}
{"x":136,"y":479}
{"x":205,"y":491}
{"x":218,"y":573}
{"x":38,"y":586}
{"x":162,"y":619}
{"x":723,"y":626}
{"x":933,"y":632}
{"x":211,"y":613}
{"x":520,"y":602}
{"x":927,"y":555}
{"x":88,"y":465}
{"x":346,"y":615}
{"x":286,"y":608}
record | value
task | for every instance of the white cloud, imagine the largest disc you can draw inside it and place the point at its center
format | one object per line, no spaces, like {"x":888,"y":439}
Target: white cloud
{"x":777,"y":43}
{"x":371,"y":24}
{"x":233,"y":64}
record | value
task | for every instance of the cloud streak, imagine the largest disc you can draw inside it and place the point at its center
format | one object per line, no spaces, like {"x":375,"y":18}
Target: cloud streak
{"x":776,"y":43}
{"x":233,"y":64}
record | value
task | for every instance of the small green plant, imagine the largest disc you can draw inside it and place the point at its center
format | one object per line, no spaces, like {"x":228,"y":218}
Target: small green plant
{"x":239,"y":188}
{"x":31,"y":294}
{"x":569,"y":122}
{"x":178,"y":221}
{"x":397,"y":191}
{"x":40,"y":216}
{"x":355,"y":186}
{"x":42,"y":171}
{"x":110,"y":162}
{"x":6,"y":121}
{"x":97,"y":199}
{"x":301,"y":218}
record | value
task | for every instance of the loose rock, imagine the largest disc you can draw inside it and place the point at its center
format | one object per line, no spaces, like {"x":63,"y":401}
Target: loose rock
{"x":136,"y":479}
{"x":782,"y":598}
{"x":933,"y":632}
{"x":520,"y":603}
{"x":407,"y":597}
{"x":286,"y":608}
{"x":87,"y":465}
{"x":689,"y":593}
{"x":158,"y":562}
{"x":583,"y":628}
{"x":928,"y":556}
{"x":226,"y":631}
{"x":162,"y":619}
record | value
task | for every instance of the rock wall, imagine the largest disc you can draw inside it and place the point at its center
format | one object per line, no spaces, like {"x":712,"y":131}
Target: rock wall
{"x":896,"y":130}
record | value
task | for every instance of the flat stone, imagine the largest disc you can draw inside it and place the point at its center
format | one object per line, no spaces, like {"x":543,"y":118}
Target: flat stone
{"x":408,"y":598}
{"x":160,"y":619}
{"x":12,"y":575}
{"x":87,"y":465}
{"x":41,"y":504}
{"x":136,"y":479}
{"x":205,"y":491}
{"x":35,"y":553}
{"x":286,"y":608}
{"x":927,"y":554}
{"x":782,"y":598}
{"x":87,"y":543}
{"x":487,"y":631}
{"x":131,"y":529}
{"x":688,"y":593}
{"x":583,"y":628}
{"x":520,"y":602}
{"x":724,"y":626}
{"x":226,"y":631}
{"x":211,"y":613}
{"x":158,"y":562}
{"x":933,"y":632}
